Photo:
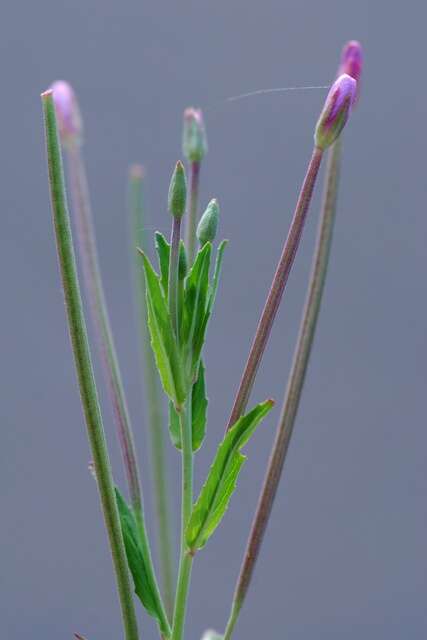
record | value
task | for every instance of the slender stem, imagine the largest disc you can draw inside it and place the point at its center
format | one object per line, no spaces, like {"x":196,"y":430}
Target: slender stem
{"x":186,"y":558}
{"x":80,"y":346}
{"x":100,"y":318}
{"x":98,"y":307}
{"x":276,"y":291}
{"x":295,"y":384}
{"x":234,"y":614}
{"x":154,"y":415}
{"x":173,"y":273}
{"x":190,"y":231}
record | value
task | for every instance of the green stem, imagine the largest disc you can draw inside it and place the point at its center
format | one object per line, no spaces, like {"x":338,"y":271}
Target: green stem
{"x":100,"y":318}
{"x":234,"y":614}
{"x":294,"y":387}
{"x":186,"y":559}
{"x":96,"y":297}
{"x":191,"y":228}
{"x":80,"y":346}
{"x":277,"y":288}
{"x":153,"y":401}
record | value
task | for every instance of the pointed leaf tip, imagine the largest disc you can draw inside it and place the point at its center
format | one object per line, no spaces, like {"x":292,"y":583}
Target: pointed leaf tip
{"x":220,"y":484}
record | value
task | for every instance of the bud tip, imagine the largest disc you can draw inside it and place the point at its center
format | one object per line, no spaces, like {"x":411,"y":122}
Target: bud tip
{"x":67,"y":112}
{"x":208,"y":225}
{"x":136,"y":172}
{"x":335,"y":111}
{"x":194,"y":141}
{"x":351,"y":60}
{"x":177,"y":191}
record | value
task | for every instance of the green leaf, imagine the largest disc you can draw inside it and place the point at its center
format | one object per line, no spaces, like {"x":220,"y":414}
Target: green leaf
{"x":199,"y":409}
{"x":200,"y":333}
{"x":217,"y":273}
{"x":163,"y":253}
{"x":162,"y":337}
{"x":196,"y":306}
{"x":144,"y":588}
{"x":215,"y":495}
{"x":199,"y":406}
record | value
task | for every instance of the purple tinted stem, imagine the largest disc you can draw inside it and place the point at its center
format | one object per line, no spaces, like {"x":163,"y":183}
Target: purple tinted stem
{"x":101,"y":321}
{"x":276,"y":291}
{"x":294,"y":387}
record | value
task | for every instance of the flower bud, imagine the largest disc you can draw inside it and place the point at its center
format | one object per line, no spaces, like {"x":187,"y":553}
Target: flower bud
{"x":335,"y":111}
{"x":182,"y":261}
{"x":351,"y":60}
{"x":177,"y":191}
{"x":208,"y":225}
{"x":67,"y":111}
{"x":352,"y":63}
{"x":194,"y":142}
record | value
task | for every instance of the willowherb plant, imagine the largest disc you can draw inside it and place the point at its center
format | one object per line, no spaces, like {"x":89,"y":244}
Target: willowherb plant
{"x":175,"y":302}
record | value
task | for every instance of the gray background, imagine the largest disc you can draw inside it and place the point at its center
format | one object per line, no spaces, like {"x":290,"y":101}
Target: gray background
{"x":345,"y":553}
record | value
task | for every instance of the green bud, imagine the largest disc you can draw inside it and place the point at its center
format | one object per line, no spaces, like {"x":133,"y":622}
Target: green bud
{"x":177,"y":191}
{"x":182,"y":261}
{"x":194,"y":142}
{"x":208,"y":225}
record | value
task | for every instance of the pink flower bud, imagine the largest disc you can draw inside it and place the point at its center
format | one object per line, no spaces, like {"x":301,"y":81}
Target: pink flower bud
{"x":352,"y":63}
{"x":351,"y":60}
{"x":67,"y":112}
{"x":336,"y":111}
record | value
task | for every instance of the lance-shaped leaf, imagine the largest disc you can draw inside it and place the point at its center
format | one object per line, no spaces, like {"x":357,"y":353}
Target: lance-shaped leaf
{"x":215,"y":495}
{"x":199,"y":338}
{"x":216,"y":275}
{"x":196,"y":295}
{"x":163,"y":253}
{"x":144,"y":587}
{"x":162,"y":337}
{"x":199,"y":407}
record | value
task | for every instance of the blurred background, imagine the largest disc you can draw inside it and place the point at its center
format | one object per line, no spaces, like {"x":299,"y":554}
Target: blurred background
{"x":345,"y":552}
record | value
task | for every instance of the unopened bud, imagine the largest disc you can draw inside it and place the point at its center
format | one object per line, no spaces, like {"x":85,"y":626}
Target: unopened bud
{"x":177,"y":191}
{"x":182,"y":261}
{"x":352,"y":63}
{"x":335,"y":111}
{"x":67,"y":111}
{"x":208,"y":225}
{"x":194,"y":141}
{"x":351,"y":60}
